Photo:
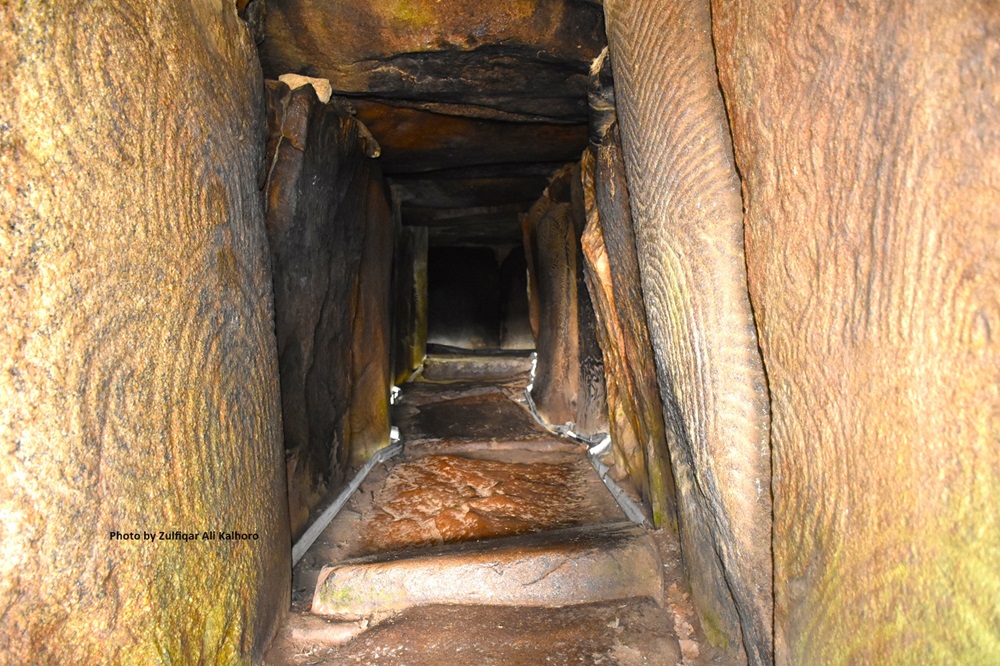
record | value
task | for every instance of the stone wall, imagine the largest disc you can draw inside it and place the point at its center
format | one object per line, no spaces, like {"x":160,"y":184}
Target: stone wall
{"x":611,"y":268}
{"x":139,"y":383}
{"x":868,"y":139}
{"x":410,"y":297}
{"x":569,"y":382}
{"x":684,"y":194}
{"x":330,"y":231}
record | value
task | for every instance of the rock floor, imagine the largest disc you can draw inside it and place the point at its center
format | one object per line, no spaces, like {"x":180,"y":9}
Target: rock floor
{"x":488,"y":541}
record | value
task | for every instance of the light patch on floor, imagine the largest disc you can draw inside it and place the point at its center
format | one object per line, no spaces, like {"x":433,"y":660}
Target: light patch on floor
{"x":443,"y":499}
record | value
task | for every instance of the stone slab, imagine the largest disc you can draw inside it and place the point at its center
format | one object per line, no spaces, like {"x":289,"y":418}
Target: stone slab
{"x":557,"y":568}
{"x":494,"y":449}
{"x":447,"y":499}
{"x":479,"y":367}
{"x":477,"y":418}
{"x":617,"y":633}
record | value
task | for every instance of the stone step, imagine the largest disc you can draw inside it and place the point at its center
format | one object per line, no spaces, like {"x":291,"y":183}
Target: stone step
{"x":577,"y":565}
{"x":481,"y":367}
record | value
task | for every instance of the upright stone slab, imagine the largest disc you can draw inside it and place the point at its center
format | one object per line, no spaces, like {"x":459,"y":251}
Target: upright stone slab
{"x":612,"y":270}
{"x":410,"y":298}
{"x":371,"y":374}
{"x":868,"y":138}
{"x":685,"y":198}
{"x":592,"y":403}
{"x":569,"y":382}
{"x":139,"y":384}
{"x":326,"y":228}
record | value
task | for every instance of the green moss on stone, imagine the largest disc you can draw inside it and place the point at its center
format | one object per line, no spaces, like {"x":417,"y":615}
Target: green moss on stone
{"x":416,"y":14}
{"x":337,"y":597}
{"x":712,"y":625}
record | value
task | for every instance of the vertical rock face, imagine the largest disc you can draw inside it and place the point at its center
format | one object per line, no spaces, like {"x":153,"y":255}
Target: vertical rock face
{"x":515,"y":324}
{"x":869,"y":141}
{"x":688,"y":217}
{"x":138,"y":390}
{"x":569,"y":382}
{"x":612,"y":271}
{"x":371,"y":378}
{"x":592,"y":403}
{"x":410,"y":294}
{"x":329,"y":228}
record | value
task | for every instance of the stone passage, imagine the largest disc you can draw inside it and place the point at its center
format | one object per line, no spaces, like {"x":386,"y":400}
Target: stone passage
{"x":488,"y":536}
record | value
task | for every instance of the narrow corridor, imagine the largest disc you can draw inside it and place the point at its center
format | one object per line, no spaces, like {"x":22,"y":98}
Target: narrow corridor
{"x":489,"y":540}
{"x":753,"y":242}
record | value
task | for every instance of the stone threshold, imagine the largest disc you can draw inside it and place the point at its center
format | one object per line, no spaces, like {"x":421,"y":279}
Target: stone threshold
{"x":576,"y":565}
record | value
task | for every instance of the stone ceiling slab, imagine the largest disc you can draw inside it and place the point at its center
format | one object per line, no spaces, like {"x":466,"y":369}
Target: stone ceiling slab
{"x":520,"y":56}
{"x":415,"y":141}
{"x":473,"y":103}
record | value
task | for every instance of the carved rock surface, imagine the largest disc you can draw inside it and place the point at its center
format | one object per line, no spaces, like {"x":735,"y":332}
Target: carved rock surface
{"x":612,"y":271}
{"x":444,"y":499}
{"x":869,"y":141}
{"x":138,"y":390}
{"x":687,"y":211}
{"x":330,"y":232}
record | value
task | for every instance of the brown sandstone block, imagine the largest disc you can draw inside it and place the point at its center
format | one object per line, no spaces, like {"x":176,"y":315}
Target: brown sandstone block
{"x":557,"y":568}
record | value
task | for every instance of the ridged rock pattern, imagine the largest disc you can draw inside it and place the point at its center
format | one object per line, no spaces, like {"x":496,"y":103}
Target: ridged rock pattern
{"x":687,"y":211}
{"x":139,"y":384}
{"x":869,"y":140}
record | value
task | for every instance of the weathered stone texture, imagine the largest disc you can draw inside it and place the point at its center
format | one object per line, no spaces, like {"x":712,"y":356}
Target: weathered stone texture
{"x":138,"y":389}
{"x":569,"y":382}
{"x":869,"y":141}
{"x":585,"y":564}
{"x":519,"y":58}
{"x":445,"y":499}
{"x":451,"y":87}
{"x":515,"y":324}
{"x":330,"y":233}
{"x":417,"y":141}
{"x":371,"y":375}
{"x":410,"y":297}
{"x":592,"y":403}
{"x":686,"y":206}
{"x":612,"y":271}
